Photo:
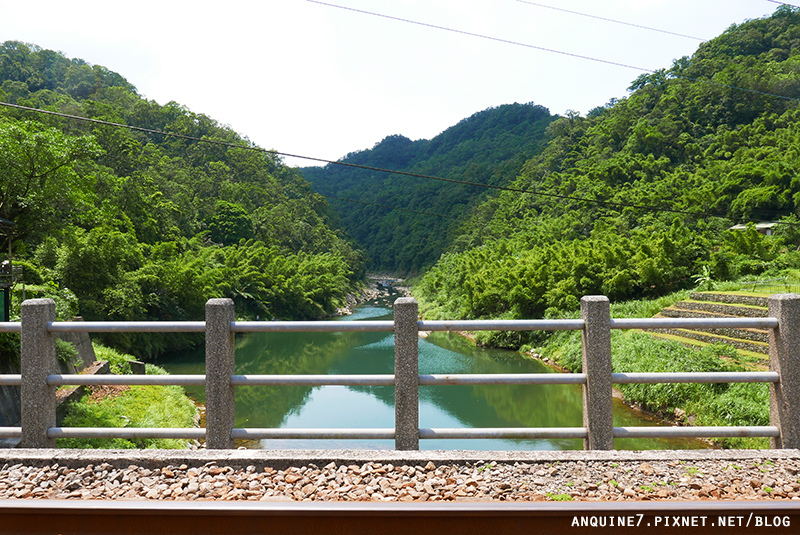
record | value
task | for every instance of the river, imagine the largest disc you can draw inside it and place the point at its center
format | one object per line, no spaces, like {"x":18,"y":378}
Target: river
{"x":373,"y":407}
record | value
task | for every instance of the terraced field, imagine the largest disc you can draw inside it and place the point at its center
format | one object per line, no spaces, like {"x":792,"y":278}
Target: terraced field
{"x":753,"y":343}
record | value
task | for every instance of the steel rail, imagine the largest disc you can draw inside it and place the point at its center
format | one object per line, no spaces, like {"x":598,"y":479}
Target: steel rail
{"x":381,"y":518}
{"x":318,"y":433}
{"x":501,"y":325}
{"x":696,"y":432}
{"x":694,"y":323}
{"x":388,"y":325}
{"x":695,"y":377}
{"x":312,"y":380}
{"x":109,"y":379}
{"x":188,"y":433}
{"x":311,"y":326}
{"x":504,"y":432}
{"x":12,"y":379}
{"x":126,"y":326}
{"x":10,"y":432}
{"x":10,"y":327}
{"x":504,"y":379}
{"x":427,"y":380}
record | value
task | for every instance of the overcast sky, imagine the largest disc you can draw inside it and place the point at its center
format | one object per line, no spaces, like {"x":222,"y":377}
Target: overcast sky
{"x":310,"y":79}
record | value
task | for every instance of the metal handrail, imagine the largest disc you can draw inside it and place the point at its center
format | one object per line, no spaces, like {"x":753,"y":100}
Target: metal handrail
{"x":504,"y":432}
{"x":11,"y":379}
{"x":694,"y":323}
{"x":126,"y":380}
{"x":10,"y":432}
{"x":767,"y":431}
{"x":300,"y":434}
{"x":311,"y":326}
{"x":126,"y":326}
{"x":502,"y":325}
{"x":391,"y":380}
{"x":10,"y":327}
{"x":132,"y":433}
{"x":388,"y":326}
{"x":695,"y":377}
{"x":504,"y":379}
{"x":312,"y":380}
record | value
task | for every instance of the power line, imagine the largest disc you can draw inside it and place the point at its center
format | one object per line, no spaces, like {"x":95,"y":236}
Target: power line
{"x":553,"y":51}
{"x":482,"y":36}
{"x":611,"y":204}
{"x":611,"y":20}
{"x":783,"y":3}
{"x":225,"y":144}
{"x":387,"y":206}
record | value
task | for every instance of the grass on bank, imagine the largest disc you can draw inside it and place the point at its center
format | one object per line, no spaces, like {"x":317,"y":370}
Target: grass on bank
{"x":738,"y":404}
{"x":137,"y":406}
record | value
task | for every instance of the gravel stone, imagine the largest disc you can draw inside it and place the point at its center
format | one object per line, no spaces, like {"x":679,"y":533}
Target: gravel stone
{"x":590,"y":480}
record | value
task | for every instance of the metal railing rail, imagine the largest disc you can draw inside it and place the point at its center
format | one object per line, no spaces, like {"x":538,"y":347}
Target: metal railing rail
{"x":38,"y":387}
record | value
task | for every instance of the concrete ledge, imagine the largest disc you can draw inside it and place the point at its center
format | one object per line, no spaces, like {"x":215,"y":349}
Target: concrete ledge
{"x":282,"y":459}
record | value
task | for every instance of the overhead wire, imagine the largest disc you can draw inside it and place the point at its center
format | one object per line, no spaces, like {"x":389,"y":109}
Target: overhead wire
{"x":783,"y":3}
{"x":482,"y":36}
{"x":420,"y":212}
{"x":221,"y":143}
{"x":554,"y":51}
{"x":611,"y":20}
{"x":610,"y":204}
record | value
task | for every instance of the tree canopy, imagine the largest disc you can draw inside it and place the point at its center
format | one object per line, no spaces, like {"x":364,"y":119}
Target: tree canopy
{"x":637,"y":197}
{"x":488,"y":147}
{"x":141,"y":226}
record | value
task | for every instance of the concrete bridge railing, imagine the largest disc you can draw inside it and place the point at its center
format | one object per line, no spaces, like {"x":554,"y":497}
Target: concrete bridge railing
{"x":38,"y":379}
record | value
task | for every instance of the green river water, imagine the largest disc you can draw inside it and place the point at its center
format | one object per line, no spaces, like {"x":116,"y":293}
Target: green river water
{"x":373,"y":407}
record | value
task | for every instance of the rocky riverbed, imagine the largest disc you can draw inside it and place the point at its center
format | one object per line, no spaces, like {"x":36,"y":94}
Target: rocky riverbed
{"x":751,"y":478}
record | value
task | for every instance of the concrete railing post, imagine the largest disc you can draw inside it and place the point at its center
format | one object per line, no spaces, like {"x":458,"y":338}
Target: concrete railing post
{"x":784,"y":358}
{"x":598,"y":416}
{"x":220,"y":365}
{"x":406,"y":374}
{"x":37,"y":361}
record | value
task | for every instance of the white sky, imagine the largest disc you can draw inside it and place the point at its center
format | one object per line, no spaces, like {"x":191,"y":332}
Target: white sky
{"x":314,"y":80}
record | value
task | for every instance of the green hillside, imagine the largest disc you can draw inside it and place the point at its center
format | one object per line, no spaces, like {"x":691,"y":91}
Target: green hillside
{"x":124,"y":225}
{"x":635,"y":199}
{"x":487,"y":148}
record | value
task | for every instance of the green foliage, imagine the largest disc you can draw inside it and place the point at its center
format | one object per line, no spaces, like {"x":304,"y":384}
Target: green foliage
{"x":65,"y":351}
{"x":489,"y":147}
{"x":737,"y":404}
{"x":229,"y":223}
{"x":141,"y":406}
{"x":118,"y":363}
{"x":37,"y":174}
{"x":123,"y":225}
{"x":669,"y":169}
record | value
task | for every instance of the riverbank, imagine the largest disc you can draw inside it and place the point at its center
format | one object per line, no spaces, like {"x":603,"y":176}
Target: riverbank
{"x":402,"y":476}
{"x":377,"y":287}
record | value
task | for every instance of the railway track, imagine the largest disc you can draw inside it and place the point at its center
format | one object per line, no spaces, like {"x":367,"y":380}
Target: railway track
{"x":464,"y":518}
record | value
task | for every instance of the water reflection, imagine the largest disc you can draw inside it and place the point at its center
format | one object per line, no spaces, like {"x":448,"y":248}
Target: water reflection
{"x":351,"y":353}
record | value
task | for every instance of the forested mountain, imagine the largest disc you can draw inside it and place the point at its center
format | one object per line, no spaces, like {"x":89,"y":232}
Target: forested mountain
{"x":487,"y":148}
{"x":636,"y":198}
{"x":125,"y":225}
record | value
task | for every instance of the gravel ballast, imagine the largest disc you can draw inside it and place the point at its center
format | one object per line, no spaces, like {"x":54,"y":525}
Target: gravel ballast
{"x":578,"y":476}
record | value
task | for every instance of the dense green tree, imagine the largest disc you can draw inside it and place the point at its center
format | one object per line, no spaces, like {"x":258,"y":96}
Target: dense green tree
{"x":38,"y":179}
{"x":147,"y":226}
{"x":636,"y":198}
{"x":488,"y":147}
